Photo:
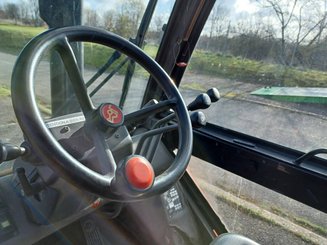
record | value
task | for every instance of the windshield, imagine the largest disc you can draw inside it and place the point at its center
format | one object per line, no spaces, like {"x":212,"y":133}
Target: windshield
{"x":267,"y":58}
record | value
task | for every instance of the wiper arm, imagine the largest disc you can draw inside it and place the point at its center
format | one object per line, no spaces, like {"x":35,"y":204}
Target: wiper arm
{"x":309,"y":155}
{"x":115,"y":56}
{"x":95,"y":90}
{"x":138,"y":41}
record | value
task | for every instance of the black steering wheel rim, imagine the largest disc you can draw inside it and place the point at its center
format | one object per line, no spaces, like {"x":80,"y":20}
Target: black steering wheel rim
{"x":44,"y":143}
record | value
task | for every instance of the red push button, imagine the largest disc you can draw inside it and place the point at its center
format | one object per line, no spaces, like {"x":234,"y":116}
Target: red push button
{"x":139,"y":172}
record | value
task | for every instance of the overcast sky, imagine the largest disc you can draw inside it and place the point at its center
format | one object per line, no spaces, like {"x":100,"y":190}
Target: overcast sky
{"x":238,"y":9}
{"x":102,"y":5}
{"x":237,"y":6}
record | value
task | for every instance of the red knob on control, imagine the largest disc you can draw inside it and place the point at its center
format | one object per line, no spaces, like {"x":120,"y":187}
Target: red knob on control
{"x":139,"y":172}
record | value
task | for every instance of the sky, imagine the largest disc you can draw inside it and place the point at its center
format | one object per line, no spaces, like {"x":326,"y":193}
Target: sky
{"x":237,"y":6}
{"x":162,"y":5}
{"x":245,"y":6}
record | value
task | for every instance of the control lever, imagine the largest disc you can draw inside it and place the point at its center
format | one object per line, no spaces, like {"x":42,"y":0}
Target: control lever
{"x":9,"y":152}
{"x":28,"y":188}
{"x":198,"y":119}
{"x":213,"y":94}
{"x":202,"y":101}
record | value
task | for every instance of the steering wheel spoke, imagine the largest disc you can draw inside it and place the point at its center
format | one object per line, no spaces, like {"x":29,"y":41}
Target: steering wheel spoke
{"x":70,"y":62}
{"x":106,"y":162}
{"x":149,"y":111}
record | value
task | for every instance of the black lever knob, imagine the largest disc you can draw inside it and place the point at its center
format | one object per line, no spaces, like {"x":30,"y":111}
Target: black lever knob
{"x":198,"y":119}
{"x":202,"y":101}
{"x":213,"y":94}
{"x":9,"y":152}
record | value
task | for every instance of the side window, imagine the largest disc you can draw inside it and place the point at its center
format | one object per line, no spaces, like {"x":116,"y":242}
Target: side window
{"x":268,"y":60}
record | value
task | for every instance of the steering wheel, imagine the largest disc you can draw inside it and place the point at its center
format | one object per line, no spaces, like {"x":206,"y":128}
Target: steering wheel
{"x":131,"y":179}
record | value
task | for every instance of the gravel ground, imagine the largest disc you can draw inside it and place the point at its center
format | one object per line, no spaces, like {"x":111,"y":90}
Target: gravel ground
{"x":241,"y":222}
{"x":258,"y":230}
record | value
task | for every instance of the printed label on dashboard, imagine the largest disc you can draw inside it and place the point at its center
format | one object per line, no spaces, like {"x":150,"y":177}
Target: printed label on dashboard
{"x":173,"y":202}
{"x":64,"y":122}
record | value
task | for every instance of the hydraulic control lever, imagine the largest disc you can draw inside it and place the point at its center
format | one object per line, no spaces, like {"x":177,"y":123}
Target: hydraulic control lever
{"x":198,"y":119}
{"x":10,"y":152}
{"x":213,"y":94}
{"x":202,"y":101}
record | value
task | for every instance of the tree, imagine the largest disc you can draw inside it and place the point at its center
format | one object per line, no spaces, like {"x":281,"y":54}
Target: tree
{"x":284,"y":11}
{"x":309,"y":27}
{"x":109,"y":20}
{"x":2,"y":13}
{"x":34,"y":12}
{"x":91,"y":17}
{"x":300,"y":22}
{"x":158,"y":21}
{"x":129,"y":17}
{"x":217,"y":19}
{"x":12,"y":11}
{"x":25,"y":14}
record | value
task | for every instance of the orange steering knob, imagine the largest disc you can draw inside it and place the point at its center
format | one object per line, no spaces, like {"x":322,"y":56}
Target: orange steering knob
{"x":139,"y":172}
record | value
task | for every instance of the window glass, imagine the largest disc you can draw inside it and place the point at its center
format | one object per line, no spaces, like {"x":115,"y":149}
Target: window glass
{"x":263,"y":215}
{"x":20,"y":21}
{"x":268,"y":60}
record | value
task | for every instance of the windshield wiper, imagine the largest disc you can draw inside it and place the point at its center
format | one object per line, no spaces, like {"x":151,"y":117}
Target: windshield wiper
{"x":115,"y":56}
{"x":139,"y":40}
{"x":309,"y":155}
{"x":97,"y":88}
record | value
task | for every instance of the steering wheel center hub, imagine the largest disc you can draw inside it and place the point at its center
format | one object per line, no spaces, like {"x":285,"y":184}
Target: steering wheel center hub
{"x":111,"y":115}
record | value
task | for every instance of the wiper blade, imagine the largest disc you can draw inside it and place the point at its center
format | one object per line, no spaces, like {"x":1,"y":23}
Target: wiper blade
{"x":309,"y":155}
{"x":115,"y":56}
{"x":109,"y":77}
{"x":138,"y":41}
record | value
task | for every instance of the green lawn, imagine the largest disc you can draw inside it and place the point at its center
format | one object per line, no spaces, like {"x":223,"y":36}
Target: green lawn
{"x":4,"y":91}
{"x":13,"y":39}
{"x":23,"y":29}
{"x":252,"y":71}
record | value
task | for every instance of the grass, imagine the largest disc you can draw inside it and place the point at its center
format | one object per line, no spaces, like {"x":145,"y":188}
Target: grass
{"x":15,"y":37}
{"x":44,"y":108}
{"x":255,"y":71}
{"x":194,"y":86}
{"x":307,"y":224}
{"x":297,"y":220}
{"x":23,"y":29}
{"x":4,"y":91}
{"x":301,"y":221}
{"x":260,"y":216}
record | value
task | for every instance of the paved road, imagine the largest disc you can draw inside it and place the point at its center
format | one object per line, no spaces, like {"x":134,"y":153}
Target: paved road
{"x":300,"y":126}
